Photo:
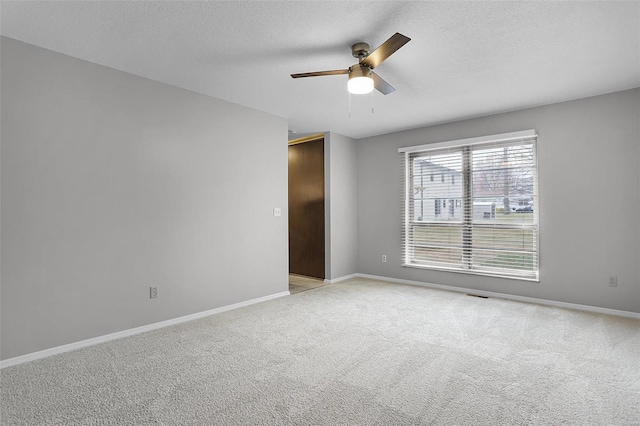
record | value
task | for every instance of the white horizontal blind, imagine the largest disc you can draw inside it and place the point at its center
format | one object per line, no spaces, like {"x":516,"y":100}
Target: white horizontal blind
{"x":473,"y":208}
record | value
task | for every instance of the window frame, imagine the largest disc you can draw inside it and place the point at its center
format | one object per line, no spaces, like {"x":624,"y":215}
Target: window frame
{"x":465,"y":266}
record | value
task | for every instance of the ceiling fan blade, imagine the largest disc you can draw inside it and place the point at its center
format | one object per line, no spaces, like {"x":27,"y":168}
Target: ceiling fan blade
{"x":381,"y":85}
{"x":385,"y":50}
{"x":320,"y":73}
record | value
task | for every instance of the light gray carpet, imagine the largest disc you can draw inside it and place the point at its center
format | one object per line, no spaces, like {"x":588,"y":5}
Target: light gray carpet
{"x":360,"y":352}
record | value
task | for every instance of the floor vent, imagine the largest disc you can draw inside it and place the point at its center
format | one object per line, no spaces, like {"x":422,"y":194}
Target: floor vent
{"x":477,"y":295}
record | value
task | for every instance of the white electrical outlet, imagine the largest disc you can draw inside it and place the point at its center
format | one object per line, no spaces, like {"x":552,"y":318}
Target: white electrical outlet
{"x":384,"y":258}
{"x":153,"y":292}
{"x":613,"y":281}
{"x":277,"y":211}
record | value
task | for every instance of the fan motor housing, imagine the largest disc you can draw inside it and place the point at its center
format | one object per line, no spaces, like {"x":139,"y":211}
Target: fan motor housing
{"x":359,"y":70}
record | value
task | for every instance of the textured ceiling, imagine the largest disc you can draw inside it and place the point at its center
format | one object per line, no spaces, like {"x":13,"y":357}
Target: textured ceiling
{"x":465,"y":59}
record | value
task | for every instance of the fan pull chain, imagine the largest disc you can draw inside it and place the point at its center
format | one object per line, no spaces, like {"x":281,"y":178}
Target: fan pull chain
{"x":372,"y":111}
{"x":349,"y":104}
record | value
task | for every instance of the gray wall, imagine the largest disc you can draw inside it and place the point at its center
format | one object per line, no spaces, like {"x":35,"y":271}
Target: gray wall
{"x":588,"y":156}
{"x":112,"y":183}
{"x":341,"y":201}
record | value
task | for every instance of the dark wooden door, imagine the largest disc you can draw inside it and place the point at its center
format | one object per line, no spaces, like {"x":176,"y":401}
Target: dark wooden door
{"x":306,"y":208}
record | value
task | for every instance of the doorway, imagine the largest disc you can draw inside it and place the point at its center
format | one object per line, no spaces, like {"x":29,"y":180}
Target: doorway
{"x":307,"y":210}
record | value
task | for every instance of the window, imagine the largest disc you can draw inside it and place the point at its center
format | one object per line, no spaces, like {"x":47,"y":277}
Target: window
{"x":492,"y":228}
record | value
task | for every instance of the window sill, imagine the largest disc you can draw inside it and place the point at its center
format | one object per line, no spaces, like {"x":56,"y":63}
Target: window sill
{"x":470,"y":272}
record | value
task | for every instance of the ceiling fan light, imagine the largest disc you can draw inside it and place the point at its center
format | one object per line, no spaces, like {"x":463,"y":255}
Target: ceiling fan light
{"x":360,"y":81}
{"x":360,"y":85}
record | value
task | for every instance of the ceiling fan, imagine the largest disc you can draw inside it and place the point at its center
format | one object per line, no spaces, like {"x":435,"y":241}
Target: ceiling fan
{"x":362,"y":79}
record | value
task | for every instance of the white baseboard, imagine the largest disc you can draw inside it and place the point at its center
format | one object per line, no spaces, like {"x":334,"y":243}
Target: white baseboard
{"x":337,"y":280}
{"x":130,"y":332}
{"x":546,"y":302}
